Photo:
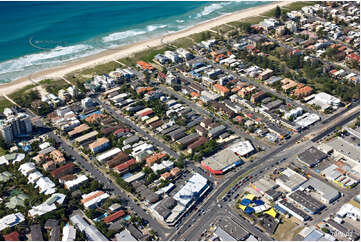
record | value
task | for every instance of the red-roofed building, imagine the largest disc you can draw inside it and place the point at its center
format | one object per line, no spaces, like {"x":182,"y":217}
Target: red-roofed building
{"x":13,"y":236}
{"x":220,"y":89}
{"x":165,"y":175}
{"x":124,"y":166}
{"x":353,"y":57}
{"x":145,"y":66}
{"x":63,"y":170}
{"x":120,"y":132}
{"x":239,"y":118}
{"x":161,"y":76}
{"x":258,"y":96}
{"x":194,"y":94}
{"x":303,"y":91}
{"x":249,"y":115}
{"x":114,"y":216}
{"x":175,"y":171}
{"x":154,"y":158}
{"x":146,"y":113}
{"x":144,"y":89}
{"x":342,"y":48}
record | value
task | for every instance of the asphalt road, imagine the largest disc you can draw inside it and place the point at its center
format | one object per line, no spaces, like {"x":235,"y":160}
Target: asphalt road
{"x":108,"y":184}
{"x":263,"y":88}
{"x":143,"y":133}
{"x":227,"y":123}
{"x":210,"y":205}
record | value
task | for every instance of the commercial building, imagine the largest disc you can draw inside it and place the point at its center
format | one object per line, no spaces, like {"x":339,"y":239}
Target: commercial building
{"x":346,"y":150}
{"x":339,"y":176}
{"x":325,"y":101}
{"x":242,"y":148}
{"x":291,"y":209}
{"x":193,"y":190}
{"x":290,"y":180}
{"x":311,"y":156}
{"x":263,"y":185}
{"x":221,"y":162}
{"x":99,"y":145}
{"x":15,"y":125}
{"x":328,"y":193}
{"x":307,"y":202}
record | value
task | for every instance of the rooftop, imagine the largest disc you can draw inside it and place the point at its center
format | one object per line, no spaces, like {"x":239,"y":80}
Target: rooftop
{"x":221,"y":160}
{"x":328,"y":192}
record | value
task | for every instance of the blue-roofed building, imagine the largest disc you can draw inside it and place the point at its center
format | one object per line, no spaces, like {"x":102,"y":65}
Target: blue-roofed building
{"x":84,"y":116}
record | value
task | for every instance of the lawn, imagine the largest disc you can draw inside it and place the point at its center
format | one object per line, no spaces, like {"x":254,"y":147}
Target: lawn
{"x":4,"y":103}
{"x":53,"y":86}
{"x":287,"y":230}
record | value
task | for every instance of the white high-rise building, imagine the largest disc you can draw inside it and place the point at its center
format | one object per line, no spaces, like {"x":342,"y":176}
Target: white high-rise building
{"x":15,"y":125}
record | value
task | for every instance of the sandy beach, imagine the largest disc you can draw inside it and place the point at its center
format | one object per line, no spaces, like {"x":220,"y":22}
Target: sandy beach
{"x":124,"y":51}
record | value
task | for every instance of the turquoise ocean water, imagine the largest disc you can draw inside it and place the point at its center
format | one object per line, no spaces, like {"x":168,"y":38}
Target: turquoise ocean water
{"x":38,"y":35}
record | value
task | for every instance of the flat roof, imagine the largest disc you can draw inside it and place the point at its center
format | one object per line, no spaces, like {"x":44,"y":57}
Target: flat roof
{"x":242,"y":148}
{"x":86,"y":136}
{"x":108,"y":154}
{"x":306,"y":200}
{"x":221,"y":160}
{"x":264,"y":184}
{"x":345,"y":148}
{"x":290,"y":206}
{"x":291,"y":178}
{"x":328,"y":193}
{"x":311,"y":156}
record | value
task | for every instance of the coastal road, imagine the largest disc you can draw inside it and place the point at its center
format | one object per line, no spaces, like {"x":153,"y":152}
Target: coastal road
{"x":143,"y":133}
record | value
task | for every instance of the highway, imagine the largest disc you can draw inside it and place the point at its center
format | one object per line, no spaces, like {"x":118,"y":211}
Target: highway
{"x":210,"y":205}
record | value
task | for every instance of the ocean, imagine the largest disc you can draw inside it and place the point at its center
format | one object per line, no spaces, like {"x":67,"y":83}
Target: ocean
{"x":38,"y":35}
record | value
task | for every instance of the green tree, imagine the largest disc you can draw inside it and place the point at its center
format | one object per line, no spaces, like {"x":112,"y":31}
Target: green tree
{"x":278,"y":12}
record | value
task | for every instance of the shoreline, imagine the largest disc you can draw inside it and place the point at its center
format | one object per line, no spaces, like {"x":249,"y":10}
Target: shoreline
{"x":127,"y":50}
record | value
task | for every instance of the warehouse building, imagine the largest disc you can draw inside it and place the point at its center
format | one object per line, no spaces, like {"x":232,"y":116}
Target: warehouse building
{"x":292,"y":210}
{"x":307,"y":202}
{"x":290,"y":180}
{"x":328,"y":193}
{"x":221,"y":162}
{"x":346,"y":150}
{"x":311,"y":156}
{"x":242,"y":148}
